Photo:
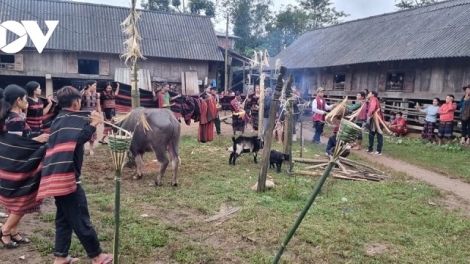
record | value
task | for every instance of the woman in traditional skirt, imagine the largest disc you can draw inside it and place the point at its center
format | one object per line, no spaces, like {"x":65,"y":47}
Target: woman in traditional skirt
{"x":431,"y":118}
{"x":238,"y":115}
{"x":36,"y":110}
{"x":109,"y":105}
{"x":12,"y":122}
{"x":254,"y":108}
{"x":90,"y":103}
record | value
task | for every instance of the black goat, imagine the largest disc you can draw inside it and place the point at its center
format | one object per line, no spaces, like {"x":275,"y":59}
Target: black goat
{"x":276,"y":159}
{"x":244,"y":144}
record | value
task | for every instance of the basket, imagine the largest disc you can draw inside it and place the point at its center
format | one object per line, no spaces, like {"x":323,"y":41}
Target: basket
{"x":119,"y":145}
{"x":348,"y":131}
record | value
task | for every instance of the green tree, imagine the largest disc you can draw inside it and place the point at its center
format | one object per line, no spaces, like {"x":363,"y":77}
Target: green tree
{"x":321,"y":13}
{"x":293,"y":20}
{"x":249,"y":19}
{"x":200,"y":7}
{"x":407,"y":4}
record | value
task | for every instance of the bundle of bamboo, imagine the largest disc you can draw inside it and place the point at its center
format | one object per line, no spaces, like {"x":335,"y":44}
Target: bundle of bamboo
{"x":338,"y":112}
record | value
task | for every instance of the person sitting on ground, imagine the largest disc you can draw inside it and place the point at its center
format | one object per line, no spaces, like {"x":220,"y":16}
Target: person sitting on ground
{"x":398,"y":125}
{"x":330,"y":146}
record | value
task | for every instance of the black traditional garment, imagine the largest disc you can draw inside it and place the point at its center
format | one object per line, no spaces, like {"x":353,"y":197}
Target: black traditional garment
{"x":59,"y":175}
{"x":20,"y":173}
{"x":50,"y":116}
{"x":108,"y":104}
{"x":34,"y":116}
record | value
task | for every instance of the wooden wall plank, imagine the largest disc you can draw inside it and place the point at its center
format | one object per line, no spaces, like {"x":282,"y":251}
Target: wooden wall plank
{"x":437,"y":76}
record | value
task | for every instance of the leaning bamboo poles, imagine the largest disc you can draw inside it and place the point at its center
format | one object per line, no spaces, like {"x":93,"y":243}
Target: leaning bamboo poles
{"x":132,"y":50}
{"x":347,"y":133}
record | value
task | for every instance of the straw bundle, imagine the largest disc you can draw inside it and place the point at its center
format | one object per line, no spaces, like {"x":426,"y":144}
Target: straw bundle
{"x":356,"y":113}
{"x":132,"y":48}
{"x":341,"y":107}
{"x":378,"y":121}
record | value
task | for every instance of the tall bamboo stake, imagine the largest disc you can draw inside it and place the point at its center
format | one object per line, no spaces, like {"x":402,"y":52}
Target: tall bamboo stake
{"x":301,"y":109}
{"x":119,"y":145}
{"x":302,"y":214}
{"x":289,"y":126}
{"x":347,"y":133}
{"x":226,"y":56}
{"x":269,"y":131}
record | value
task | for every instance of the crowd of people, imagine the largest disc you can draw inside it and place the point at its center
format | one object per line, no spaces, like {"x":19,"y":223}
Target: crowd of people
{"x":369,"y":104}
{"x":61,"y":145}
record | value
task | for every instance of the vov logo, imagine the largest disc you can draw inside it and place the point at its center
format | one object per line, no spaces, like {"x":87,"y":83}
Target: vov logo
{"x":23,"y":30}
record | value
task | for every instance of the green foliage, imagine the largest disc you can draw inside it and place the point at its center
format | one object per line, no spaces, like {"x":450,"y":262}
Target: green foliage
{"x":407,"y":4}
{"x":261,"y":28}
{"x":200,"y":7}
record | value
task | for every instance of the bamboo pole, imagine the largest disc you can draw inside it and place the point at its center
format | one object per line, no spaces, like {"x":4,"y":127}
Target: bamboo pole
{"x":226,"y":55}
{"x":261,"y":127}
{"x":117,"y":211}
{"x":347,"y":132}
{"x":302,"y":214}
{"x":288,"y":126}
{"x":135,"y":93}
{"x":269,"y":131}
{"x":119,"y":145}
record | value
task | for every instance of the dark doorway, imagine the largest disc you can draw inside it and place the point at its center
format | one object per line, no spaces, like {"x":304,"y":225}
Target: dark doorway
{"x":6,"y":80}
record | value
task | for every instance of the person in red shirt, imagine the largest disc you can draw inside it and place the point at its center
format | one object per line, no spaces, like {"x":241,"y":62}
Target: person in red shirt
{"x":374,"y":106}
{"x":446,"y":119}
{"x":398,"y":125}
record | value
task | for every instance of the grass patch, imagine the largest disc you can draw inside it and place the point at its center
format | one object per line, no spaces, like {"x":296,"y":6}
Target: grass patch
{"x":448,"y":159}
{"x":167,"y":224}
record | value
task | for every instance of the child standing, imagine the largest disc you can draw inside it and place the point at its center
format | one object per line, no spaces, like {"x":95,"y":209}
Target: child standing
{"x":61,"y":178}
{"x":446,"y":119}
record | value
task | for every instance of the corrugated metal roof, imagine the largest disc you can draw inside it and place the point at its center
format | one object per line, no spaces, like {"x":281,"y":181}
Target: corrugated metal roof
{"x":97,"y":28}
{"x":435,"y":31}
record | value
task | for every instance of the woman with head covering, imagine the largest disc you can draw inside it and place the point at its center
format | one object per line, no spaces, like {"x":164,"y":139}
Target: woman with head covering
{"x":12,"y":122}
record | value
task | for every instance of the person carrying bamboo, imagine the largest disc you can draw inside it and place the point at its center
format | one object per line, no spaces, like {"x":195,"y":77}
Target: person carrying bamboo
{"x":374,"y":107}
{"x":361,"y":118}
{"x":60,"y":178}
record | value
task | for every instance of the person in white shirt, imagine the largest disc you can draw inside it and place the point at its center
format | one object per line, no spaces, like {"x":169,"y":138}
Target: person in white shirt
{"x":319,"y":109}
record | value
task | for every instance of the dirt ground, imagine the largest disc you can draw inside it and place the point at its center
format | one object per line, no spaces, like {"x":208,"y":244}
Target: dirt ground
{"x":457,"y":196}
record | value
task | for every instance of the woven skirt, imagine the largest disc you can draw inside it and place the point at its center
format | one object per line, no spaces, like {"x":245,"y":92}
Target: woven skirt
{"x":428,"y":131}
{"x":446,"y":129}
